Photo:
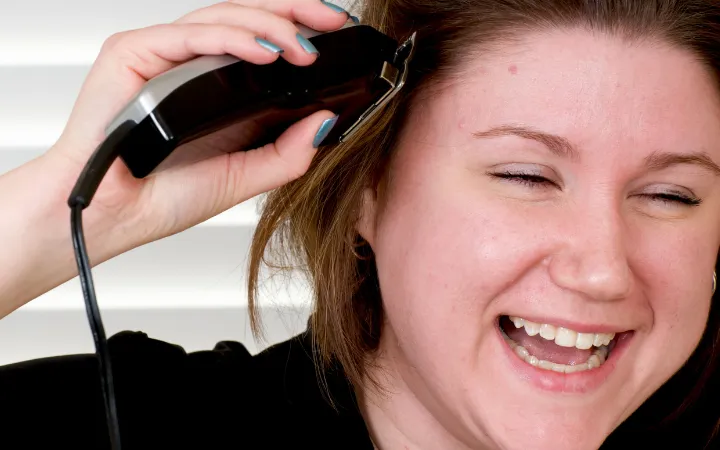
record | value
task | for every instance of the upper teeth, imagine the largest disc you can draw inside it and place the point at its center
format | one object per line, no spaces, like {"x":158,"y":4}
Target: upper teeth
{"x":563,"y":336}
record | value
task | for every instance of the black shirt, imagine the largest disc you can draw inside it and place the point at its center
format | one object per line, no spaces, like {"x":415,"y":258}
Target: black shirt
{"x":226,"y":398}
{"x":169,"y":399}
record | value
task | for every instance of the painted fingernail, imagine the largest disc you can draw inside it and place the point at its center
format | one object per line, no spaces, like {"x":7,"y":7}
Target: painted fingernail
{"x":355,"y":20}
{"x":335,"y":7}
{"x":306,"y":45}
{"x":324,"y":130}
{"x":268,"y":45}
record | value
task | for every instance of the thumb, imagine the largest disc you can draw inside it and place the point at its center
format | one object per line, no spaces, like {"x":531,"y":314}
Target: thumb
{"x":278,"y":163}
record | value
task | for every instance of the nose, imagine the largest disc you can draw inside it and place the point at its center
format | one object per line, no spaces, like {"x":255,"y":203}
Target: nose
{"x":592,"y":258}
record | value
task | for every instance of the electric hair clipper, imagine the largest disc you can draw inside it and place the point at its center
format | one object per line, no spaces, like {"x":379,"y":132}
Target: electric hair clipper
{"x":357,"y":71}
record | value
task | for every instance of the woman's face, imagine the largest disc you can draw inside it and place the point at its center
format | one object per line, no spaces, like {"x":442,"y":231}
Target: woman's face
{"x":569,"y":181}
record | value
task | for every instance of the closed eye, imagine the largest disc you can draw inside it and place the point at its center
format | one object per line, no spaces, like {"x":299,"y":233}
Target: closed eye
{"x":673,"y":198}
{"x":537,"y":181}
{"x":528,"y":179}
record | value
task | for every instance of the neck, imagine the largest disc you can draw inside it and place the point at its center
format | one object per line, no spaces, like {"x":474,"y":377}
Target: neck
{"x":395,"y":416}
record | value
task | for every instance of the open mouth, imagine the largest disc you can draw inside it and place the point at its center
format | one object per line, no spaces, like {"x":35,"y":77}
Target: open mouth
{"x":557,"y":349}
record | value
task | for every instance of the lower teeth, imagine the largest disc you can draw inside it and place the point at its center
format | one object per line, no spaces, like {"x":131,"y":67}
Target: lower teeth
{"x":596,"y":359}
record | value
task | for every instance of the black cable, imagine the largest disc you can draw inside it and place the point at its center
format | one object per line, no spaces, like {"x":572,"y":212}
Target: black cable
{"x":80,"y":198}
{"x":96,"y":325}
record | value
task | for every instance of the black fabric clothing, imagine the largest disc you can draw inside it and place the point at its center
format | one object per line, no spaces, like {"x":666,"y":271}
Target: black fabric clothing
{"x":226,"y":398}
{"x":169,"y":399}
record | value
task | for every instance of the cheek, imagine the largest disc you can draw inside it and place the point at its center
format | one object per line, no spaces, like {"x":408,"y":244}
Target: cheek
{"x":443,"y":254}
{"x":677,"y":279}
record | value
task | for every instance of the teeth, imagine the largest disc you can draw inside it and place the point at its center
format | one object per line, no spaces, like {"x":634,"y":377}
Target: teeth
{"x":596,"y":360}
{"x":522,"y":352}
{"x":547,"y":332}
{"x":563,"y":337}
{"x":532,"y":328}
{"x":598,"y":340}
{"x":576,"y":368}
{"x":547,"y":365}
{"x":585,"y":341}
{"x":593,"y":362}
{"x":602,"y":353}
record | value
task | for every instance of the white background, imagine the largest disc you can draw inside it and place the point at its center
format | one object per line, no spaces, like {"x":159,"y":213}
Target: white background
{"x":188,"y":289}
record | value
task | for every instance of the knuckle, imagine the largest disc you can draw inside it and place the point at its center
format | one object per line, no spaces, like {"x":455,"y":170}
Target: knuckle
{"x":114,"y":41}
{"x":287,"y":26}
{"x":206,"y":11}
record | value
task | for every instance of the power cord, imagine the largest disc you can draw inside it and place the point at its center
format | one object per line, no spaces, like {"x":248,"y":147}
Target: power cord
{"x":80,"y":198}
{"x":96,"y":325}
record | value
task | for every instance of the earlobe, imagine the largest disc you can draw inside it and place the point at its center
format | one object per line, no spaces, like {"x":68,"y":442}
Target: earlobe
{"x":368,"y":213}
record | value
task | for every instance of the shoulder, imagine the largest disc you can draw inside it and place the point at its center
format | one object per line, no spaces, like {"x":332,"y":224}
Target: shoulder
{"x":229,"y":396}
{"x":167,"y":397}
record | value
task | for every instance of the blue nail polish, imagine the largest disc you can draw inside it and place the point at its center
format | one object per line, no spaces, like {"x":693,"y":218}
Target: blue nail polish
{"x":268,"y":45}
{"x":306,"y":45}
{"x":324,"y":130}
{"x":355,"y":20}
{"x":335,"y":7}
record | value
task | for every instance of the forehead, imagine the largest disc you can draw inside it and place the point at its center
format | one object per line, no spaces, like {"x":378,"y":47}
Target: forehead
{"x":587,"y":86}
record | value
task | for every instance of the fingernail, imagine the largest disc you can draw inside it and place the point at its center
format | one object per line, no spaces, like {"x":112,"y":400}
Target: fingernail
{"x":306,"y":45}
{"x":269,"y":45}
{"x":355,"y":20}
{"x":324,"y":130}
{"x":335,"y":7}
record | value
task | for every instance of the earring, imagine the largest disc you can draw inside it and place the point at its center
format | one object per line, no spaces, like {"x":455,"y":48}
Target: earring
{"x":361,"y":245}
{"x":714,"y":281}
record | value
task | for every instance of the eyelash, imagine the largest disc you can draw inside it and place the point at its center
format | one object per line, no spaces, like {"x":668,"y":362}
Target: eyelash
{"x":532,"y":180}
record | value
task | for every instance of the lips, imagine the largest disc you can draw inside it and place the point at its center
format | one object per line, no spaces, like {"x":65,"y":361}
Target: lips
{"x":576,"y":377}
{"x":556,"y":348}
{"x":544,"y":344}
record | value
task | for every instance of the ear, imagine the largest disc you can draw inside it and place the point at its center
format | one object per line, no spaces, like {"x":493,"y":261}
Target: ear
{"x":367,"y":221}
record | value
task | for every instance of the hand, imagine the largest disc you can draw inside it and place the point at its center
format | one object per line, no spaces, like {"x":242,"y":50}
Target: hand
{"x":173,"y":200}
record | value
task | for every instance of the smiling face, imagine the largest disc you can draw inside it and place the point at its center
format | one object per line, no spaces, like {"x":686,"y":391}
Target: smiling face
{"x":566,"y":181}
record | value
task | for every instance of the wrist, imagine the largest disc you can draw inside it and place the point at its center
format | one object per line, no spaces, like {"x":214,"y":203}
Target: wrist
{"x":105,"y":234}
{"x":38,"y":254}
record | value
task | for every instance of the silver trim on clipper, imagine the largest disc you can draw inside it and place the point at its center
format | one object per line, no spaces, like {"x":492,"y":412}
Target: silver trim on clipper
{"x":395,"y":77}
{"x":156,"y":89}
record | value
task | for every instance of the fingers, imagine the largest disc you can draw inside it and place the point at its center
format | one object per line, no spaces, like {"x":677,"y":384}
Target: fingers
{"x":128,"y":59}
{"x":153,"y":50}
{"x":271,"y":166}
{"x":229,"y":27}
{"x":264,"y":24}
{"x":313,"y":13}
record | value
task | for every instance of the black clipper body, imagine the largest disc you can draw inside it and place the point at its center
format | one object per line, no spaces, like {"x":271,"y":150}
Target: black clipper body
{"x":358,"y":69}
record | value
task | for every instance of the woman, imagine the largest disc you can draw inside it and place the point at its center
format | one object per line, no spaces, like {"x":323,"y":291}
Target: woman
{"x":518,"y":253}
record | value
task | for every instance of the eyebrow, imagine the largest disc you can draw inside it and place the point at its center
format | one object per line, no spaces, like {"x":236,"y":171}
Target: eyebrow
{"x":556,"y":144}
{"x":563,"y":148}
{"x":659,"y":161}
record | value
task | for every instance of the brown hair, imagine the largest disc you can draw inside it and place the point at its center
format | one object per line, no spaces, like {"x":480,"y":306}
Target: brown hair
{"x":309,"y":224}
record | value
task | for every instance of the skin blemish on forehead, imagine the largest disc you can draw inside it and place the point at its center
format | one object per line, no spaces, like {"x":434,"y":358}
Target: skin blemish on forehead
{"x":513,"y":69}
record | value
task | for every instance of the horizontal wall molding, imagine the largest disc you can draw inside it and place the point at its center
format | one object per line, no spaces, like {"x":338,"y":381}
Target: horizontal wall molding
{"x":203,"y":267}
{"x":37,"y":102}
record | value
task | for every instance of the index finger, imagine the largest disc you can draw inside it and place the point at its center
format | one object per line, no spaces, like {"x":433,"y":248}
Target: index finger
{"x":318,"y":15}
